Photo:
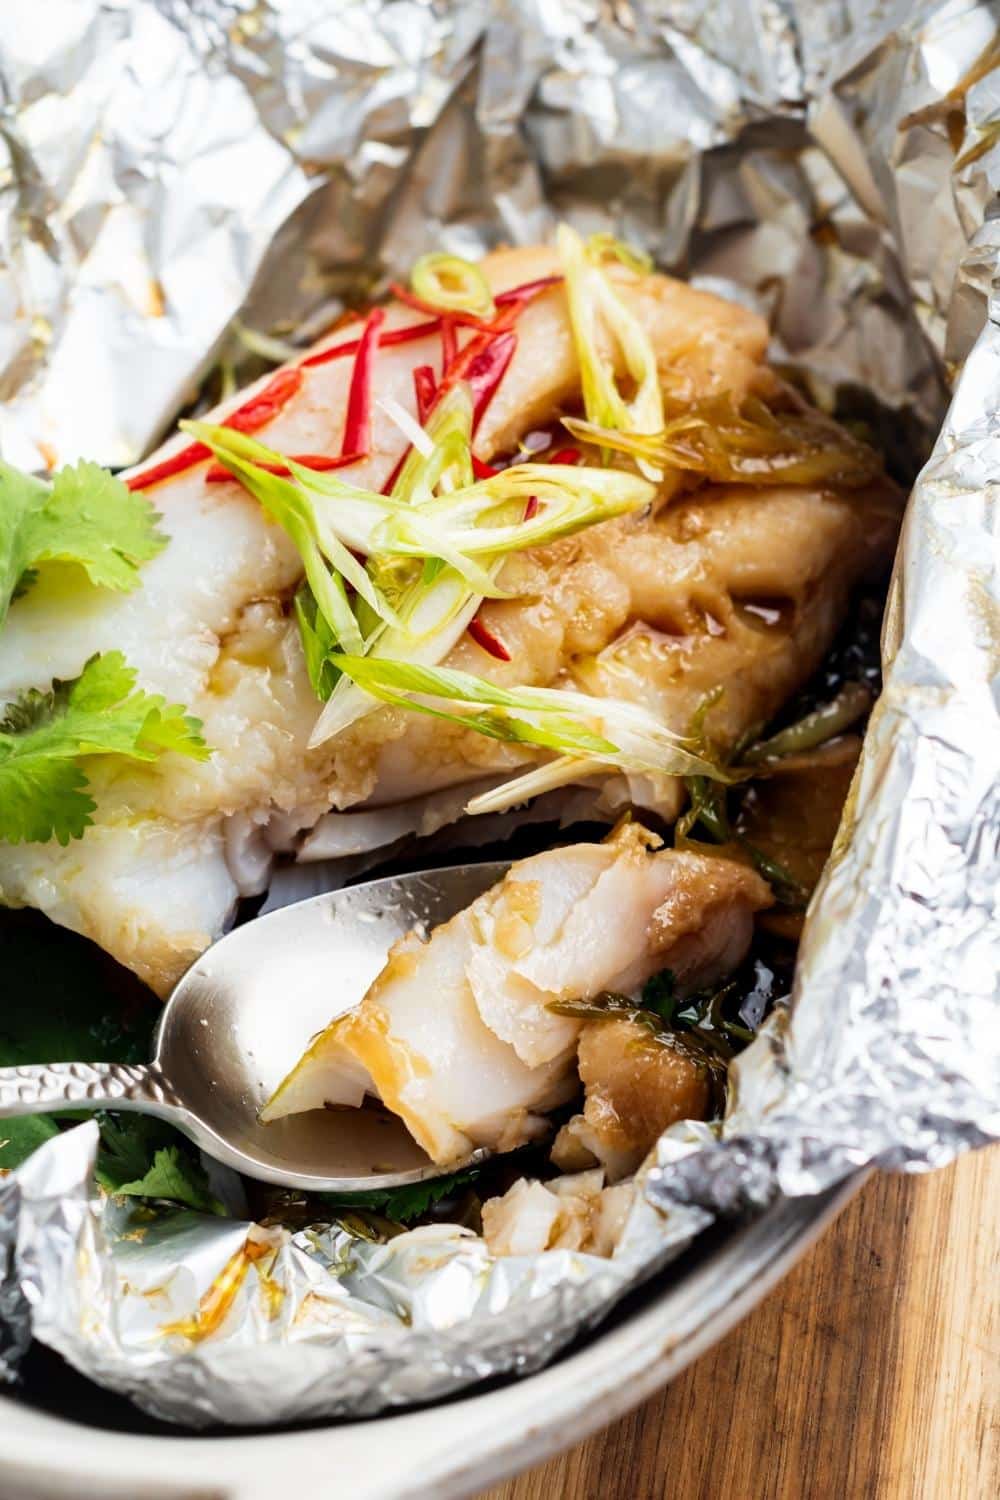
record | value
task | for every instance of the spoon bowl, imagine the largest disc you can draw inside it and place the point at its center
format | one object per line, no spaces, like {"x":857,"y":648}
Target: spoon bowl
{"x":241,"y":1018}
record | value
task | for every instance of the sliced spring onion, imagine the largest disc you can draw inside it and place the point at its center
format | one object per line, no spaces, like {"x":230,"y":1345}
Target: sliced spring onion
{"x":477,"y":519}
{"x":449,"y":465}
{"x":452,"y":284}
{"x":435,"y":607}
{"x":434,"y":548}
{"x":830,"y":719}
{"x":435,"y":617}
{"x":317,"y":642}
{"x":411,"y":430}
{"x":564,"y":770}
{"x":594,"y":305}
{"x":606,"y":246}
{"x":326,"y":560}
{"x":263,"y":344}
{"x":745,"y":444}
{"x":607,"y":731}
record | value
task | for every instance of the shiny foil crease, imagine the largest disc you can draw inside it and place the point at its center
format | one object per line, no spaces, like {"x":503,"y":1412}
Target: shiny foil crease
{"x":171,"y":165}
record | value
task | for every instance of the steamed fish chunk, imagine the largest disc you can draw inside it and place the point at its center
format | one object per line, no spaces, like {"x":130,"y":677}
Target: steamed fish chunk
{"x":543,"y":937}
{"x":419,"y":1043}
{"x":209,"y":627}
{"x":637,"y":1083}
{"x":575,"y":1212}
{"x":731,"y":587}
{"x":455,"y":1035}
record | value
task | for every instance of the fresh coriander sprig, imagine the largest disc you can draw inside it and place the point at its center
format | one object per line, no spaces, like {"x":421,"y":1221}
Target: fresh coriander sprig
{"x":47,"y":736}
{"x":85,"y":516}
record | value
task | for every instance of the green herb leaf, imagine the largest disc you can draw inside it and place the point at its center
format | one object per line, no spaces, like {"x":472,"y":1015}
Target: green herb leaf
{"x":402,"y":1204}
{"x":20,"y":1137}
{"x":84,"y":516}
{"x":64,"y":1001}
{"x":44,"y":736}
{"x":659,"y":995}
{"x":128,"y":1145}
{"x":175,"y":1176}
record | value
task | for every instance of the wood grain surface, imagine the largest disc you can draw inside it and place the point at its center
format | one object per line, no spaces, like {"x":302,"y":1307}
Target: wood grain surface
{"x":871,"y":1373}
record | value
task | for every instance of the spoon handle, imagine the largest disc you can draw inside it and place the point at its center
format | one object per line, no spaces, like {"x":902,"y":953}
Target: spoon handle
{"x":39,"y":1088}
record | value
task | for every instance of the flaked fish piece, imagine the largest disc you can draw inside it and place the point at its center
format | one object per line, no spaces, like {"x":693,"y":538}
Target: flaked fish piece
{"x":637,"y":1083}
{"x":456,"y":1035}
{"x":732,"y":587}
{"x":659,"y":605}
{"x":574,"y":1212}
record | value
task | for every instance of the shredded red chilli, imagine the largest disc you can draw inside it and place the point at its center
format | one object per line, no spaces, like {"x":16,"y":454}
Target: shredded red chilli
{"x":425,"y":390}
{"x":485,"y":371}
{"x":483,"y":363}
{"x":483,"y":470}
{"x":565,"y":456}
{"x":321,"y":462}
{"x":531,"y":509}
{"x":407,"y":335}
{"x":485,"y":638}
{"x":527,"y":291}
{"x":249,"y":417}
{"x":449,"y":345}
{"x":358,"y":422}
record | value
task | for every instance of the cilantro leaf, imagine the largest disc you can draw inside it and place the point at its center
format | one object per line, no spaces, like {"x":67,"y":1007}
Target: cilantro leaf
{"x":659,"y":995}
{"x":45,"y":734}
{"x":177,"y":1176}
{"x":84,"y":516}
{"x":402,"y":1204}
{"x":20,"y":1137}
{"x":128,"y":1145}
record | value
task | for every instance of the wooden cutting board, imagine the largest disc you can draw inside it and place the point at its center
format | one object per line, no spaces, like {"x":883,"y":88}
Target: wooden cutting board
{"x":871,"y":1373}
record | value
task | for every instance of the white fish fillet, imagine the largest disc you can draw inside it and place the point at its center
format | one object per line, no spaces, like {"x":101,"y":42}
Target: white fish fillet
{"x":571,"y":1213}
{"x":154,"y":881}
{"x":455,"y":1036}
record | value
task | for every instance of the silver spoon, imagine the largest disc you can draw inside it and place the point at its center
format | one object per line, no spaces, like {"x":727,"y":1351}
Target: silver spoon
{"x":241,"y":1018}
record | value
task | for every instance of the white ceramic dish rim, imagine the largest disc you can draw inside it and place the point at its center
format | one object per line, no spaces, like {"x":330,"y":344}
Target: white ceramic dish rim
{"x":447,"y":1451}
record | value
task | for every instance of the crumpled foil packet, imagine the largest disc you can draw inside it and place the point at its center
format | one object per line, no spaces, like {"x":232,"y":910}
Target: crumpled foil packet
{"x":169,"y":166}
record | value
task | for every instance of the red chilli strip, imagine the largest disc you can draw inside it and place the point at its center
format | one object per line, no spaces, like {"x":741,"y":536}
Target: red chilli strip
{"x":485,"y":370}
{"x":321,"y":462}
{"x":254,"y":414}
{"x":483,"y":470}
{"x":259,"y":410}
{"x":527,"y":291}
{"x":425,"y":390}
{"x":485,"y":638}
{"x":358,"y":422}
{"x":452,"y":315}
{"x":565,"y":456}
{"x":405,"y":335}
{"x":531,"y":509}
{"x":449,"y":345}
